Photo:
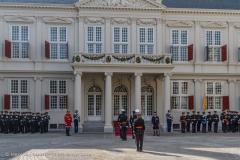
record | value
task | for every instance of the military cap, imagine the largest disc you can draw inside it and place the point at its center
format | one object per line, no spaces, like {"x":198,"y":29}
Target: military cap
{"x":215,"y":111}
{"x":47,"y":112}
{"x":187,"y":112}
{"x":203,"y":112}
{"x":10,"y":112}
{"x":137,"y":111}
{"x":228,"y":111}
{"x":193,"y":111}
{"x":183,"y":112}
{"x":6,"y":111}
{"x":209,"y":112}
{"x":155,"y":112}
{"x":198,"y":112}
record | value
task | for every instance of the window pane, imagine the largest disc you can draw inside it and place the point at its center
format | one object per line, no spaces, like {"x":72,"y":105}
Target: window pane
{"x":24,"y":35}
{"x":62,"y":102}
{"x":53,"y":34}
{"x":184,"y":87}
{"x":54,"y":49}
{"x":63,"y":34}
{"x":90,"y":48}
{"x":175,"y":103}
{"x":210,"y":55}
{"x":63,"y":51}
{"x":209,"y":37}
{"x":183,"y":53}
{"x":217,"y":54}
{"x":175,"y":37}
{"x":175,"y":53}
{"x":98,"y":48}
{"x":210,"y":88}
{"x":175,"y":87}
{"x":98,"y":34}
{"x":218,"y":88}
{"x":150,"y":49}
{"x":218,"y":102}
{"x":116,"y":34}
{"x":23,"y":86}
{"x":217,"y":38}
{"x":14,"y":102}
{"x":150,"y":35}
{"x":53,"y":102}
{"x":24,"y":102}
{"x":124,"y":34}
{"x":184,"y":102}
{"x":184,"y":37}
{"x":90,"y":34}
{"x":142,"y":35}
{"x":142,"y":49}
{"x":24,"y":50}
{"x":15,"y":50}
{"x":15,"y":33}
{"x":125,"y":48}
{"x":53,"y":86}
{"x":14,"y":86}
{"x":116,"y":48}
{"x":62,"y":87}
{"x":210,"y":102}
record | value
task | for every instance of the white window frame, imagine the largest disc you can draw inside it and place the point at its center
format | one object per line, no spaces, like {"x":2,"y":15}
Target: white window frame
{"x":214,"y":94}
{"x":19,"y":94}
{"x":58,"y":42}
{"x":146,"y":38}
{"x":20,"y":42}
{"x":213,"y":46}
{"x":180,"y":94}
{"x":94,"y":42}
{"x":179,"y":45}
{"x":57,"y":94}
{"x":120,"y":39}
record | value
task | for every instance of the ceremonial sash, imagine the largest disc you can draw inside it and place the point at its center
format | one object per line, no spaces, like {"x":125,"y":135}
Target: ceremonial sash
{"x":225,"y":120}
{"x":185,"y":122}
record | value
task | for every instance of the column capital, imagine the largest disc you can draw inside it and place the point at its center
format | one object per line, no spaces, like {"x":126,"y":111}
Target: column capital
{"x":137,"y":74}
{"x":108,"y":73}
{"x":232,"y":80}
{"x":37,"y":78}
{"x":38,"y":18}
{"x":1,"y":18}
{"x":198,"y":80}
{"x":1,"y":78}
{"x":230,"y":24}
{"x":78,"y":73}
{"x":80,"y":19}
{"x":197,"y":23}
{"x":167,"y":74}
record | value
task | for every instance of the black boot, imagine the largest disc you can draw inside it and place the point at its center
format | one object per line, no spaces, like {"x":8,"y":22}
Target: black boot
{"x":153,"y":133}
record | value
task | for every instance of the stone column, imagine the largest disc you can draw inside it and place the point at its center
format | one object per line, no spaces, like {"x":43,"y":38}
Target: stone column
{"x":108,"y":102}
{"x":159,"y":37}
{"x":108,"y":35}
{"x":78,"y":96}
{"x":81,"y":33}
{"x":38,"y":57}
{"x":2,"y":37}
{"x":76,"y":28}
{"x":230,"y":51}
{"x":167,"y":104}
{"x":138,"y":91}
{"x":196,"y":48}
{"x":231,"y":92}
{"x":134,"y":31}
{"x":38,"y":95}
{"x":160,"y":99}
{"x":198,"y":95}
{"x":163,"y":24}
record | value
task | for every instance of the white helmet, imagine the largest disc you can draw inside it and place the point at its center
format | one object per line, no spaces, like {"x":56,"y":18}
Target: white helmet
{"x":123,"y":110}
{"x":137,"y":111}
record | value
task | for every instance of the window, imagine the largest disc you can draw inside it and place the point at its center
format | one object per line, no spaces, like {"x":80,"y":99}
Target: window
{"x":180,"y":95}
{"x":146,"y":40}
{"x":120,"y":40}
{"x":20,"y":38}
{"x":179,"y":45}
{"x":19,"y":94}
{"x":213,"y":42}
{"x":58,"y":94}
{"x":94,"y":39}
{"x":58,"y":43}
{"x":214,"y":95}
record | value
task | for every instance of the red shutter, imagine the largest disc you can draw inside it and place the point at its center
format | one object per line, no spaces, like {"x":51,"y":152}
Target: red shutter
{"x":6,"y":101}
{"x":224,"y":53}
{"x":47,"y":49}
{"x":190,"y":52}
{"x":8,"y":48}
{"x":66,"y":101}
{"x":47,"y":98}
{"x":67,"y":50}
{"x":225,"y":100}
{"x":190,"y":102}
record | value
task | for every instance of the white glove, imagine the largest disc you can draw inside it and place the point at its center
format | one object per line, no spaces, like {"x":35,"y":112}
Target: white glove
{"x":213,"y":122}
{"x":207,"y":121}
{"x":222,"y":121}
{"x":192,"y":122}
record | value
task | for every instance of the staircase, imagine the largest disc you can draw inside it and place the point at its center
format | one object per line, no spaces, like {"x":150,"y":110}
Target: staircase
{"x":149,"y":128}
{"x":93,"y":127}
{"x":117,"y":131}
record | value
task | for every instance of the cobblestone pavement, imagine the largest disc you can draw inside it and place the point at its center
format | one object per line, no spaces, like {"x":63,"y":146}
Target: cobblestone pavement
{"x":169,"y":146}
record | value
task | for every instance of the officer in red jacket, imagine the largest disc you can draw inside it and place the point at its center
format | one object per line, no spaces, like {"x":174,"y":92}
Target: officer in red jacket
{"x":68,"y":122}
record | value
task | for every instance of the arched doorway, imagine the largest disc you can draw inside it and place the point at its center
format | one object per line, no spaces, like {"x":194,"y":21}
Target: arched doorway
{"x":147,"y":102}
{"x":94,"y":103}
{"x":120,"y":100}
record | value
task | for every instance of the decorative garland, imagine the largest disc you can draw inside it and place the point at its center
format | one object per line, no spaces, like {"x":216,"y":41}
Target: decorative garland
{"x":108,"y":59}
{"x":167,"y":60}
{"x":152,"y":59}
{"x":138,"y":60}
{"x":78,"y":59}
{"x":123,"y":59}
{"x":94,"y":58}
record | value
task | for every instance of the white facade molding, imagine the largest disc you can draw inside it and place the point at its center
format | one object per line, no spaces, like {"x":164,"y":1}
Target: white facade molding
{"x":120,"y":21}
{"x":138,"y":74}
{"x":108,"y":73}
{"x":197,"y":80}
{"x":58,"y":20}
{"x":146,"y":22}
{"x":78,"y":73}
{"x":37,"y":78}
{"x":96,"y":20}
{"x":1,"y":78}
{"x":167,"y":74}
{"x":20,"y":19}
{"x":214,"y":24}
{"x":1,"y":18}
{"x":178,"y":24}
{"x":38,"y":18}
{"x":232,"y":80}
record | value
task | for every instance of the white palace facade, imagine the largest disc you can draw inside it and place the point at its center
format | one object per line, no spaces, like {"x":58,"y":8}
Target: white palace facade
{"x":98,"y":56}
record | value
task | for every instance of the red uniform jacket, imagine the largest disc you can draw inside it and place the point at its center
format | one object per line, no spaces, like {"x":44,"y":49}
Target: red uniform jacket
{"x":68,"y":120}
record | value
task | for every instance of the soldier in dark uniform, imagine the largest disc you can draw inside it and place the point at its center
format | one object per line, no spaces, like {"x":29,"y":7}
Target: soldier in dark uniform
{"x":188,"y":119}
{"x":139,"y":128}
{"x":215,"y":121}
{"x":32,"y":123}
{"x":15,"y":123}
{"x":236,"y":114}
{"x":24,"y":120}
{"x":132,"y":120}
{"x":1,"y":122}
{"x":209,"y":121}
{"x":45,"y":122}
{"x":41,"y":124}
{"x":199,"y":121}
{"x":37,"y":119}
{"x":169,"y":120}
{"x":204,"y":123}
{"x":238,"y":122}
{"x":193,"y":121}
{"x":6,"y":122}
{"x":20,"y":122}
{"x":124,"y":124}
{"x":233,"y":122}
{"x":10,"y":122}
{"x":155,"y":124}
{"x":224,"y":122}
{"x":29,"y":117}
{"x":221,"y":117}
{"x":229,"y":120}
{"x":119,"y":117}
{"x":183,"y":122}
{"x":48,"y":119}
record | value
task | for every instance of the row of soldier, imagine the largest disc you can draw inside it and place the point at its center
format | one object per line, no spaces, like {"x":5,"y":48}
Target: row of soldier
{"x":24,"y":122}
{"x":230,"y":121}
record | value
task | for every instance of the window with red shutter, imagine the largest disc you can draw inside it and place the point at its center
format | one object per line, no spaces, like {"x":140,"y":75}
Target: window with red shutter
{"x":224,"y":53}
{"x":47,"y":49}
{"x":7,"y":101}
{"x":47,"y":98}
{"x":225,"y":100}
{"x":8,"y":48}
{"x":190,"y":52}
{"x":190,"y":102}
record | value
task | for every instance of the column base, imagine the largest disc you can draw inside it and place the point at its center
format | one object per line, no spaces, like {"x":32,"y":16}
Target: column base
{"x":108,"y":128}
{"x":80,"y":128}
